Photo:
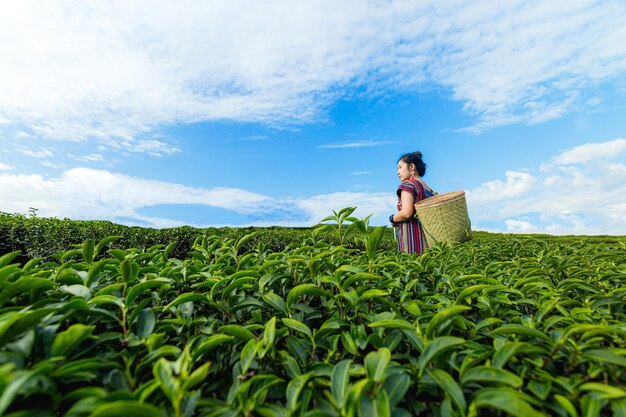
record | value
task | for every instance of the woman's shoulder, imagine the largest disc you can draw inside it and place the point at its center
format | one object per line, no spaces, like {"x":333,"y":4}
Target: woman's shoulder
{"x":406,"y":184}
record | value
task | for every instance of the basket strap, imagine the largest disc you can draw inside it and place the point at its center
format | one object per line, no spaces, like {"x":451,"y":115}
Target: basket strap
{"x":423,"y":190}
{"x":425,"y":229}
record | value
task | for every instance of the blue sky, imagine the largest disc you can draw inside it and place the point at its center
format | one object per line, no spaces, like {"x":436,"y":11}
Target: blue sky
{"x":275,"y":113}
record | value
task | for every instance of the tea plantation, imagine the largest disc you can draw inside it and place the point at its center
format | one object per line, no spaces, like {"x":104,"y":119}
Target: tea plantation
{"x":240,"y":324}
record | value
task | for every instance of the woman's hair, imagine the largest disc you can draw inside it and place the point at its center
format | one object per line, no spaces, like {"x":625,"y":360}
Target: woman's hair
{"x":416,"y":159}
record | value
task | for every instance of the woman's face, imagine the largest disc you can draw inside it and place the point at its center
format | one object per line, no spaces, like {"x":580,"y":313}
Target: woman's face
{"x":404,"y":172}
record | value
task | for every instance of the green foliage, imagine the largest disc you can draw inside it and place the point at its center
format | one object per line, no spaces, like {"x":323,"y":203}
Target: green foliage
{"x":318,"y":325}
{"x":37,"y":237}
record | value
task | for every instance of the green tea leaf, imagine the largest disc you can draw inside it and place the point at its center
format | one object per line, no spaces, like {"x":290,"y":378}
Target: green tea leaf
{"x":294,"y":388}
{"x":339,"y":380}
{"x":197,"y":376}
{"x":606,"y":392}
{"x":503,"y":399}
{"x":66,"y":341}
{"x":7,"y":271}
{"x":305,"y":289}
{"x":348,"y":342}
{"x":491,"y":375}
{"x":375,"y":407}
{"x":506,"y":351}
{"x":146,"y":320}
{"x":450,"y":387}
{"x":248,"y":353}
{"x":373,"y":293}
{"x":469,"y":291}
{"x":126,"y":408}
{"x":104,"y":242}
{"x":566,"y":405}
{"x":373,"y":241}
{"x":239,"y":332}
{"x":397,"y":385}
{"x":376,"y":363}
{"x":237,"y":284}
{"x":8,"y":257}
{"x":245,"y":239}
{"x":442,"y":316}
{"x":138,"y":289}
{"x":275,"y":301}
{"x":436,"y":348}
{"x":89,"y":365}
{"x":95,"y":270}
{"x":129,"y":271}
{"x":357,"y":278}
{"x":298,"y":326}
{"x":118,"y":254}
{"x":187,"y":297}
{"x":29,"y":265}
{"x":270,"y":332}
{"x":13,"y":324}
{"x":541,"y":389}
{"x":519,"y":329}
{"x":23,"y":285}
{"x":211,"y":343}
{"x":88,"y":250}
{"x":107,"y":299}
{"x":77,"y":290}
{"x":605,"y":355}
{"x":394,"y":324}
{"x":19,"y":380}
{"x":162,"y":372}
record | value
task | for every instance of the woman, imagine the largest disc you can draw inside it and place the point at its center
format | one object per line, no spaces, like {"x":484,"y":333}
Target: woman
{"x":412,"y":189}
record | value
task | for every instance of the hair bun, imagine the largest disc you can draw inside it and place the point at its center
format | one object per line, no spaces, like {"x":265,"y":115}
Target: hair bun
{"x":418,"y":154}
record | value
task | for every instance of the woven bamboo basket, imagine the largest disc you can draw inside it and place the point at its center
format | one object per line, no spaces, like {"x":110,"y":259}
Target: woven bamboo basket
{"x":444,"y":218}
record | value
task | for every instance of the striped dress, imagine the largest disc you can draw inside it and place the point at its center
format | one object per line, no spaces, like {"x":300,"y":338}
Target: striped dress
{"x":410,"y":236}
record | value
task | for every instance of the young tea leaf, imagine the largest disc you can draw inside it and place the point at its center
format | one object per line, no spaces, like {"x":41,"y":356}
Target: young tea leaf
{"x":126,"y":408}
{"x":339,"y":379}
{"x":212,"y":342}
{"x":436,"y":348}
{"x":298,"y":326}
{"x":376,"y":363}
{"x":305,"y":289}
{"x":442,"y":316}
{"x":504,"y":399}
{"x":294,"y":388}
{"x":491,"y":375}
{"x":88,"y":250}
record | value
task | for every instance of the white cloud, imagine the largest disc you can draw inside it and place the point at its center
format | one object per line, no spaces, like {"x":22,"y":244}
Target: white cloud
{"x":154,"y":147}
{"x":93,"y":157}
{"x":356,"y":144}
{"x":51,"y":165}
{"x":516,"y":184}
{"x":5,"y":167}
{"x":591,"y":151}
{"x":84,"y":193}
{"x":42,"y":153}
{"x":117,"y":71}
{"x":360,"y":173}
{"x":583,"y":195}
{"x":519,"y":226}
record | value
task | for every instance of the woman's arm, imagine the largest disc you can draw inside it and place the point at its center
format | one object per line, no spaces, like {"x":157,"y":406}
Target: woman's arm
{"x":407,"y":208}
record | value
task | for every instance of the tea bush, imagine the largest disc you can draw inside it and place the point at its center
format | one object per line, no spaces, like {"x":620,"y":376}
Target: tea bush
{"x":43,"y":237}
{"x":501,"y":324}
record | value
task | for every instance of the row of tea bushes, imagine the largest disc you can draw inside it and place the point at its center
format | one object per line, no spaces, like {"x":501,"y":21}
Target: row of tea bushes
{"x":512,"y":325}
{"x":36,"y":237}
